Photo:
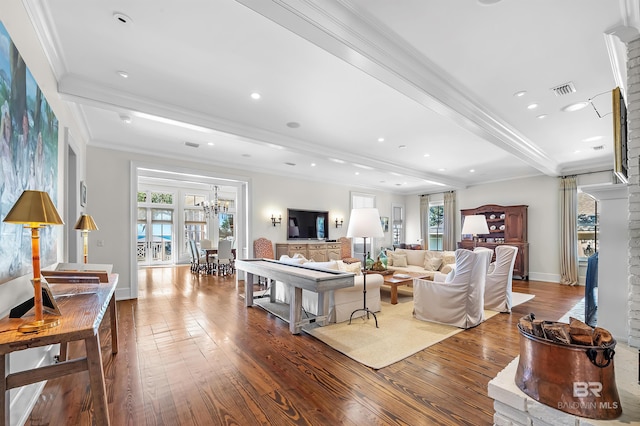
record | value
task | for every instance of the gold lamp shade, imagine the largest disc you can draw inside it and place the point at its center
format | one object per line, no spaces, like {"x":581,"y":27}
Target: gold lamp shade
{"x":35,"y":209}
{"x":85,"y":223}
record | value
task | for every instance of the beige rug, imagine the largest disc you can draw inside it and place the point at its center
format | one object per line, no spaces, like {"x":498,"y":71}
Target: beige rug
{"x":399,"y":334}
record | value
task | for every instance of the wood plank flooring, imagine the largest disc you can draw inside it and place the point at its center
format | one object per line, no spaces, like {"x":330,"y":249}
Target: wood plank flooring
{"x":192,"y":354}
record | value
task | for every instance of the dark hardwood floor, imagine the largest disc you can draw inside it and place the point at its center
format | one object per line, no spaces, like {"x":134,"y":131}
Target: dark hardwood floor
{"x":192,"y":354}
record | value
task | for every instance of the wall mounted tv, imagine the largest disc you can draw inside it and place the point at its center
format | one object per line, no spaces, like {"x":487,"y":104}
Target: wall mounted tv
{"x":307,"y":224}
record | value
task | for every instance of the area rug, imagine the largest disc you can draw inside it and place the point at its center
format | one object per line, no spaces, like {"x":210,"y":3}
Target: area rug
{"x":520,"y":298}
{"x":400,"y":335}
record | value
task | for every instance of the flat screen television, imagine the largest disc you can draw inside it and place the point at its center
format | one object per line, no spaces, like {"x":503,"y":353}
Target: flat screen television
{"x":307,"y":224}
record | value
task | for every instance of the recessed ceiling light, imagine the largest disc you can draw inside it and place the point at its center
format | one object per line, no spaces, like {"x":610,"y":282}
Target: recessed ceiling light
{"x":592,"y":139}
{"x":577,"y":151}
{"x":380,"y":139}
{"x":575,"y":107}
{"x":123,"y":74}
{"x":542,"y":116}
{"x":357,"y":173}
{"x":532,"y":106}
{"x":488,"y":2}
{"x":520,"y":93}
{"x":210,"y":143}
{"x":255,"y":96}
{"x":441,"y":170}
{"x":121,"y":18}
{"x":472,"y":171}
{"x":274,"y":146}
{"x":427,"y":155}
{"x":293,"y":124}
{"x":313,"y":164}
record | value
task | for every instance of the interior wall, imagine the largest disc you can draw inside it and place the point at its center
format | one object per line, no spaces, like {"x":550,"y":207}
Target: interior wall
{"x":109,"y":202}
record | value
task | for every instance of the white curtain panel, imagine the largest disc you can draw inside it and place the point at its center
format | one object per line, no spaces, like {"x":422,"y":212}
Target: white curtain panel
{"x":449,"y":242}
{"x":424,"y":221}
{"x":568,"y":230}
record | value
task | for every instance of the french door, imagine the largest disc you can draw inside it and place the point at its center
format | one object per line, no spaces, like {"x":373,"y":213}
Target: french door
{"x":155,"y":236}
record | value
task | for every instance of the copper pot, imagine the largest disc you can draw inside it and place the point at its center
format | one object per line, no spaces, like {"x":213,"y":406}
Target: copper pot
{"x":576,"y":379}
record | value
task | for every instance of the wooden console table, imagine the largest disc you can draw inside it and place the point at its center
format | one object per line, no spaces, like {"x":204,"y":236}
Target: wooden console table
{"x":298,"y":277}
{"x":82,"y":314}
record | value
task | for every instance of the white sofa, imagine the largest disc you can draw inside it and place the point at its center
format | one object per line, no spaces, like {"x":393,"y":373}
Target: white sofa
{"x":342,"y":302}
{"x":432,"y":263}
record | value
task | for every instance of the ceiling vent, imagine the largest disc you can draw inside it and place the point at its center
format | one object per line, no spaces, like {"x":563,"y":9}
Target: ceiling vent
{"x":192,"y":144}
{"x":290,"y":164}
{"x":564,"y":89}
{"x":598,"y":148}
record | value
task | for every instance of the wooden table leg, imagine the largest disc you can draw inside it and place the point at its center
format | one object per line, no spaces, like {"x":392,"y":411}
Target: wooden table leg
{"x":4,"y":396}
{"x":96,"y":378}
{"x":113,"y":313}
{"x":64,"y":346}
{"x":394,"y":294}
{"x":248,"y":289}
{"x":295,"y":306}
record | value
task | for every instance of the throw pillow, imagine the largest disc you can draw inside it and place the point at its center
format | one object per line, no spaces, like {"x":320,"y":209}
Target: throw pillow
{"x":332,"y":264}
{"x":447,"y":268}
{"x":448,"y":257}
{"x":293,"y":261}
{"x":350,"y":267}
{"x":432,"y":260}
{"x":389,"y":257}
{"x":400,"y":260}
{"x":432,"y":264}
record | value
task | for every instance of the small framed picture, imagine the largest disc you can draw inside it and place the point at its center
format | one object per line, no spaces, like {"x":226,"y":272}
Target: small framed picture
{"x":384,"y":221}
{"x":83,"y":193}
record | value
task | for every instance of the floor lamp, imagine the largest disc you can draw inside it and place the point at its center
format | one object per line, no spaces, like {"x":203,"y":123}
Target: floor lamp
{"x":475,"y":225}
{"x":85,"y":224}
{"x":365,"y":223}
{"x":34,"y":209}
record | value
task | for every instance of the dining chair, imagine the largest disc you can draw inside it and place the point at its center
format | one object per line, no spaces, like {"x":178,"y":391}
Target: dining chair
{"x":224,"y":260}
{"x":198,"y":262}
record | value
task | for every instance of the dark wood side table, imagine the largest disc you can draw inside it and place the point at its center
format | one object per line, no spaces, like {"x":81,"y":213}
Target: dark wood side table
{"x":82,"y":314}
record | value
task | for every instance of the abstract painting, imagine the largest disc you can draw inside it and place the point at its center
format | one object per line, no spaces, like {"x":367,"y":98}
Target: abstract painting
{"x":28,"y":158}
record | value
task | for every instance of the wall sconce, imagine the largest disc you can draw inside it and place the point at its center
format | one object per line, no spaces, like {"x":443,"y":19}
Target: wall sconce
{"x":339,"y":223}
{"x":276,"y":221}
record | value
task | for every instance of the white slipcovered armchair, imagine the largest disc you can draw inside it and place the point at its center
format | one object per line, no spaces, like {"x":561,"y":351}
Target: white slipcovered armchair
{"x":459,"y":302}
{"x":497,"y":292}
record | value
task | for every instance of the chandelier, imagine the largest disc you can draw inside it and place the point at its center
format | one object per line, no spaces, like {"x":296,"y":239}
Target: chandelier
{"x":214,"y":207}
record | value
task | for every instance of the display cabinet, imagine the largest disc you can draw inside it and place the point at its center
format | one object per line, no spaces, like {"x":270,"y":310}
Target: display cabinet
{"x":507,"y":225}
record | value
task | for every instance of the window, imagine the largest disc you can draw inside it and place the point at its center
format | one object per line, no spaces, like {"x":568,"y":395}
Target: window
{"x":436,"y":225}
{"x":588,"y":219}
{"x":195,"y":220}
{"x":397,"y":224}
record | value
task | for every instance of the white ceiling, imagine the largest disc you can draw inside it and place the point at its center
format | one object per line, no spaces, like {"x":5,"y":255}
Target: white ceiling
{"x":436,"y":79}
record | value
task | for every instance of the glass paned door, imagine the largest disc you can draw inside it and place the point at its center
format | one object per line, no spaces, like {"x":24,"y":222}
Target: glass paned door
{"x":155,"y":236}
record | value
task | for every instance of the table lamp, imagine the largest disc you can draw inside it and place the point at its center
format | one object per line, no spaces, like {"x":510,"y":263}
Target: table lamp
{"x":365,"y":223}
{"x":85,"y":224}
{"x":475,"y":225}
{"x":34,"y":209}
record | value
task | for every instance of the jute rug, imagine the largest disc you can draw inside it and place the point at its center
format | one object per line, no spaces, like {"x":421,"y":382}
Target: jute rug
{"x":399,"y":334}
